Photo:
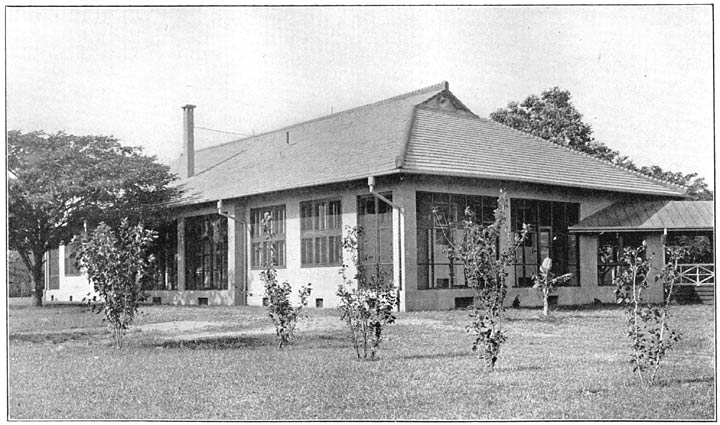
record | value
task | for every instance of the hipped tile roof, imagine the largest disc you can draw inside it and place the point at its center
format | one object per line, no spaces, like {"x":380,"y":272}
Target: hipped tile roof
{"x":650,"y":215}
{"x":407,"y":133}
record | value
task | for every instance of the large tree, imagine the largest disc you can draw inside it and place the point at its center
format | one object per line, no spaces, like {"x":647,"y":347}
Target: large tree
{"x":60,"y":183}
{"x":552,"y":116}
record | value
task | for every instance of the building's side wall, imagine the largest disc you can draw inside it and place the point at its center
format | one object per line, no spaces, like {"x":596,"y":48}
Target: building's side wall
{"x":324,"y":280}
{"x":444,"y":299}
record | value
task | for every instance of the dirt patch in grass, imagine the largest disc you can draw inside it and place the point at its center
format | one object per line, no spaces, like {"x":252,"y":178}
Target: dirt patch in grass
{"x":181,"y":327}
{"x":427,"y":323}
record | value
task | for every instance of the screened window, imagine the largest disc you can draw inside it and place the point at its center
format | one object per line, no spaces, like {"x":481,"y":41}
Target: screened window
{"x":71,"y":267}
{"x":206,"y":252}
{"x":698,"y":246}
{"x":375,"y":246}
{"x":610,"y":250}
{"x":261,"y":253}
{"x":165,"y":252}
{"x":53,"y":267}
{"x":320,"y":233}
{"x":435,"y":231}
{"x":548,"y":236}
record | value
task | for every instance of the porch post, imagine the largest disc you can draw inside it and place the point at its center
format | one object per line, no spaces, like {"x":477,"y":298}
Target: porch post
{"x":237,"y":274}
{"x":181,"y":254}
{"x":402,"y":243}
{"x":589,"y":245}
{"x":656,"y":256}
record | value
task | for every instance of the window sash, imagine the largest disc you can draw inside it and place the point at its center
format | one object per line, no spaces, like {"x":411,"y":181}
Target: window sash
{"x":165,"y":251}
{"x":259,"y":246}
{"x":436,"y":269}
{"x":71,"y":268}
{"x":206,"y":251}
{"x":610,"y":251}
{"x":320,"y":233}
{"x":548,"y":222}
{"x":53,"y":268}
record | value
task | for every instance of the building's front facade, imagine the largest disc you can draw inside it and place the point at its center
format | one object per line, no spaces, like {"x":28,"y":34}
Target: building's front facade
{"x":385,"y":167}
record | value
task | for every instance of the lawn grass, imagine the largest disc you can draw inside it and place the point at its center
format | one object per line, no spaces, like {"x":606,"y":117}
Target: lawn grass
{"x":573,"y":367}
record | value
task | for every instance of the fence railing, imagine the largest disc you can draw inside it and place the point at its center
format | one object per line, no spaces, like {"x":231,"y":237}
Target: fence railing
{"x":696,"y":274}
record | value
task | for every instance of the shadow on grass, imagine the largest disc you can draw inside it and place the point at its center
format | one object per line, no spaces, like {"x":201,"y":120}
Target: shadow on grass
{"x":324,"y":341}
{"x":536,"y":319}
{"x":219,"y":343}
{"x":439,"y":355}
{"x":520,"y":368}
{"x":27,"y":304}
{"x":694,"y":380}
{"x":57,"y":337}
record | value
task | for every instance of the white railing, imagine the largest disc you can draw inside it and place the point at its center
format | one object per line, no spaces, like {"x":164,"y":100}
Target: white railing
{"x":696,"y":274}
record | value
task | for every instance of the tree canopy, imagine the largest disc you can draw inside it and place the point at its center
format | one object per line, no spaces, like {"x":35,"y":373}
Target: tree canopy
{"x":553,"y":117}
{"x":60,"y":183}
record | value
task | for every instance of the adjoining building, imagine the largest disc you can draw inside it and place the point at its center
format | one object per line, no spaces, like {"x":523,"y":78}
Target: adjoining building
{"x":386,"y":166}
{"x":660,"y":224}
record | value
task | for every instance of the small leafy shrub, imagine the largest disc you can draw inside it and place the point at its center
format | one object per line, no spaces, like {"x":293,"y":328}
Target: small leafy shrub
{"x":284,"y":316}
{"x":546,"y":282}
{"x":647,"y":325}
{"x":117,"y":265}
{"x":485,"y":268}
{"x":367,"y":304}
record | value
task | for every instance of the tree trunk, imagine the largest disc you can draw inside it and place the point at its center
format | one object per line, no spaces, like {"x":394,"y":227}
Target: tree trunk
{"x":38,"y":278}
{"x":35,"y":267}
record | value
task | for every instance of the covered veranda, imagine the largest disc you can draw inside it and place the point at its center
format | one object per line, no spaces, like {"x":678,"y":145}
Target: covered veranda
{"x":661,"y":224}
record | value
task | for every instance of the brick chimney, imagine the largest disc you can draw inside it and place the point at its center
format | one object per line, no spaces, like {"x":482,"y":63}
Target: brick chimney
{"x":188,"y":166}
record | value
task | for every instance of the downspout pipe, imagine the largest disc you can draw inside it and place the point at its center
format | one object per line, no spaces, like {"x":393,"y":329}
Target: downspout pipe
{"x":401,"y":210}
{"x":371,"y":186}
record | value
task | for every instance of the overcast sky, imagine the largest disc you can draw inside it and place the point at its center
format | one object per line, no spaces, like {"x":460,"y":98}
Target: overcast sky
{"x":641,"y":75}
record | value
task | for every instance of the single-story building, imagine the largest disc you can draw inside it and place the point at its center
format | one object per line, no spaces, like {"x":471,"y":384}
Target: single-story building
{"x":384,"y":166}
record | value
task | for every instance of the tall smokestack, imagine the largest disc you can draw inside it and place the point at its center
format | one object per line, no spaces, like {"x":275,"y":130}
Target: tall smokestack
{"x":188,"y":140}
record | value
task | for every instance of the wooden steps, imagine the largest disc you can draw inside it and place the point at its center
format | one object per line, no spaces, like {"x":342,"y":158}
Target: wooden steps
{"x":691,"y":294}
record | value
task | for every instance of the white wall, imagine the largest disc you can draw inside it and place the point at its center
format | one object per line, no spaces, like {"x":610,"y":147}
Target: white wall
{"x":71,"y":288}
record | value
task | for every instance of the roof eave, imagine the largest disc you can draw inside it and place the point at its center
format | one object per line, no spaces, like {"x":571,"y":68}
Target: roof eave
{"x":637,"y":229}
{"x":539,"y":181}
{"x":190,"y":202}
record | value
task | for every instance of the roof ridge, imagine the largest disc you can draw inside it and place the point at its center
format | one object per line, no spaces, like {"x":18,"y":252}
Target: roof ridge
{"x":605,"y":161}
{"x":443,"y":85}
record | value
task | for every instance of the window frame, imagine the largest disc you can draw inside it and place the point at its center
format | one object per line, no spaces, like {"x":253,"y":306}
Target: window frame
{"x":70,"y":266}
{"x":215,"y":257}
{"x":542,"y":223}
{"x":53,"y":269}
{"x":437,"y":232}
{"x":615,"y":266}
{"x":259,"y":246}
{"x":165,"y":247}
{"x":312,"y":233}
{"x":377,"y":240}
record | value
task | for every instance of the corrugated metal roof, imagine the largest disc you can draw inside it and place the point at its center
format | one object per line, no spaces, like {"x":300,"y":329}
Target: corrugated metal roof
{"x":650,"y":215}
{"x":405,"y":133}
{"x":450,"y":144}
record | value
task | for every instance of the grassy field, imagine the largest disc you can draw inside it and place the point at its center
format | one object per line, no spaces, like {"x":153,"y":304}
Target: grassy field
{"x":222,"y":363}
